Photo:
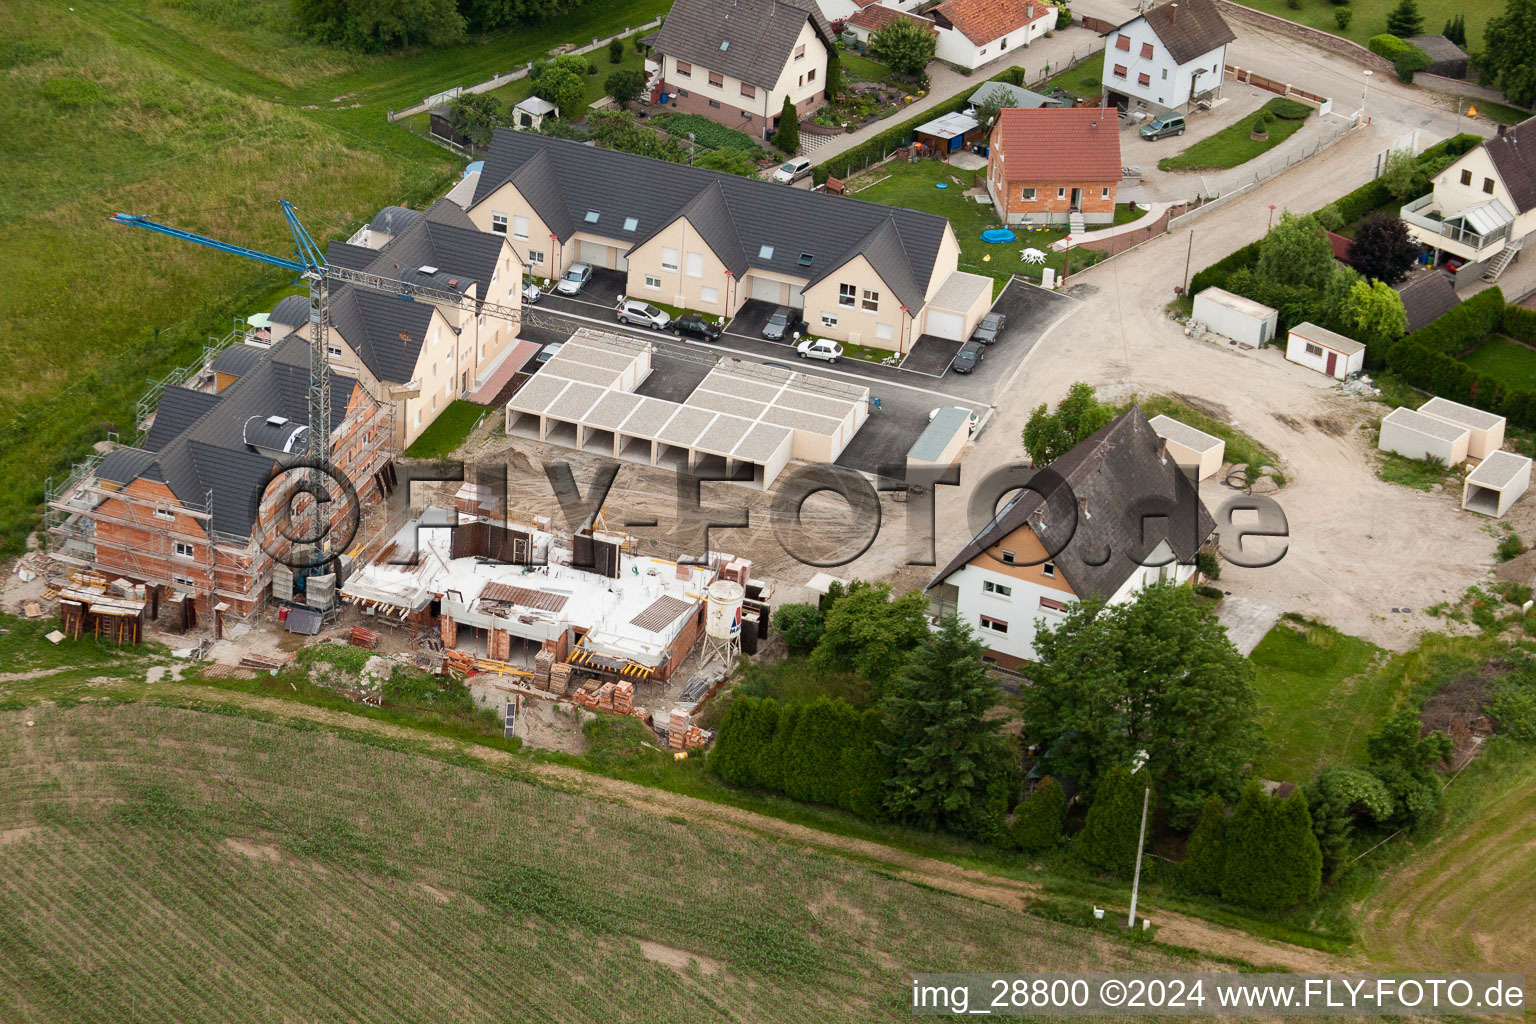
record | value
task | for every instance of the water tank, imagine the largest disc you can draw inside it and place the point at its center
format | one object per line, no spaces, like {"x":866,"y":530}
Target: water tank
{"x":722,"y":617}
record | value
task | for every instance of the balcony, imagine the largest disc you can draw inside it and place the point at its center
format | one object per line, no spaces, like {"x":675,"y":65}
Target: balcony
{"x":1457,"y":235}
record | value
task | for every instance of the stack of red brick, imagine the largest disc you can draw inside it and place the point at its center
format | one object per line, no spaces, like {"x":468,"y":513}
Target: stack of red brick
{"x":618,"y":698}
{"x":624,"y":698}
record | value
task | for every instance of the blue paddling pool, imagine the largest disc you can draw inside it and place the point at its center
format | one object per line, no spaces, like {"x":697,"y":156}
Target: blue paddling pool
{"x":995,"y":235}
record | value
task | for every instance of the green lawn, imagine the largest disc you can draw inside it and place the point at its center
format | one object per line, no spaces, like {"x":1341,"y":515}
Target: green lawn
{"x":447,"y":432}
{"x":1127,"y":212}
{"x":207,"y":114}
{"x":1232,"y":145}
{"x":1499,"y":113}
{"x":516,"y":92}
{"x":1318,"y":698}
{"x":858,"y":68}
{"x":1086,"y":80}
{"x":1371,"y":16}
{"x":1508,"y":361}
{"x":1419,"y":474}
{"x":914,"y":186}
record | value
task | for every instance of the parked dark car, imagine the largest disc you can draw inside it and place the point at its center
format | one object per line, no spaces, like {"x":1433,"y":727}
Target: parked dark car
{"x":969,"y":355}
{"x":990,"y":327}
{"x":1163,"y":126}
{"x":784,"y":322}
{"x":696,"y":326}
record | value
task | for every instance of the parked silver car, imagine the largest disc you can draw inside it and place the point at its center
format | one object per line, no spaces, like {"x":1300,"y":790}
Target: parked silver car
{"x":633,"y":311}
{"x":575,"y":279}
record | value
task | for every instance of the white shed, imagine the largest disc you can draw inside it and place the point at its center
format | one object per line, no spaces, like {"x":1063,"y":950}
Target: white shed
{"x":1496,"y":484}
{"x":1324,"y":351}
{"x":529,"y":114}
{"x":1191,"y":449}
{"x":1417,"y":436}
{"x":1235,"y":317}
{"x":1487,"y":429}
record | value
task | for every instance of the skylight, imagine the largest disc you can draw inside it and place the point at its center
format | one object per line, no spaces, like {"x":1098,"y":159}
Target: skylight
{"x":591,"y":217}
{"x":630,"y":223}
{"x":765,"y":253}
{"x":805,"y":259}
{"x":725,"y":44}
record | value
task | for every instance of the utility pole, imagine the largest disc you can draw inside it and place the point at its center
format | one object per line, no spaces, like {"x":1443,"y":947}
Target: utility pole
{"x":1187,"y":257}
{"x":1146,"y":799}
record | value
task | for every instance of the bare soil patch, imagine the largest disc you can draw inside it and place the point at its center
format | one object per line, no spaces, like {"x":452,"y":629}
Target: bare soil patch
{"x":19,"y":834}
{"x":677,"y":959}
{"x":254,"y":850}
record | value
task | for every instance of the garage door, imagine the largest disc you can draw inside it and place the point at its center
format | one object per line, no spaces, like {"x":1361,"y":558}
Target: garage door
{"x":594,"y":253}
{"x":767,"y":289}
{"x":943,"y":324}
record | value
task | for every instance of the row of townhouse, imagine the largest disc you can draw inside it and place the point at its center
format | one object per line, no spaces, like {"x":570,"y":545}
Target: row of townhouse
{"x":863,"y":273}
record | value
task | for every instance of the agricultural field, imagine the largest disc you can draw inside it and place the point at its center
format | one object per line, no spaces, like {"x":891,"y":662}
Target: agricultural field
{"x":202,"y":115}
{"x":171,"y":864}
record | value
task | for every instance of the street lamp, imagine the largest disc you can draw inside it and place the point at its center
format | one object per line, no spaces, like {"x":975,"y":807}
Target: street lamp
{"x":1137,"y":763}
{"x":1365,"y":90}
{"x":1271,"y":217}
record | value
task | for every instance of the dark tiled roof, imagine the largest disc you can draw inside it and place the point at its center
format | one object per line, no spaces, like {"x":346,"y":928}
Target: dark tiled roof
{"x":783,"y":222}
{"x":353,"y":257}
{"x":394,"y":219}
{"x":1110,"y":474}
{"x":882,"y":248}
{"x":1426,"y":297}
{"x":179,"y":408}
{"x":711,"y":217}
{"x":1189,"y":28}
{"x":1438,"y":47}
{"x":236,"y":359}
{"x":1514,"y":157}
{"x":747,"y":39}
{"x":292,"y":310}
{"x":385,"y":332}
{"x":209,"y":453}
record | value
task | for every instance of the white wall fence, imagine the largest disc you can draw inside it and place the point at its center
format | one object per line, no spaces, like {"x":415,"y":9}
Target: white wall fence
{"x":497,"y":81}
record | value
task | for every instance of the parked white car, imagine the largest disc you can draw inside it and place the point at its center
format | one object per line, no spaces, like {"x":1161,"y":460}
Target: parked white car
{"x":633,"y":311}
{"x":820,"y":348}
{"x":792,"y":171}
{"x":575,"y":279}
{"x":532,"y":293}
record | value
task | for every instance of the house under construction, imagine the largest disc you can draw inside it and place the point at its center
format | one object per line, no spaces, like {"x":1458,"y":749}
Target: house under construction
{"x":185,"y":511}
{"x":549,"y":605}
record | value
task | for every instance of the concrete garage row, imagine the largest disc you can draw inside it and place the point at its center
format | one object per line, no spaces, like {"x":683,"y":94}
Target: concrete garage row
{"x":1416,"y":436}
{"x":742,"y":414}
{"x":1497,"y":483}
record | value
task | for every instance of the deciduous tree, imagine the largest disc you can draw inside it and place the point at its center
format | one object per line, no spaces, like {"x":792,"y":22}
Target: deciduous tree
{"x":868,"y":632}
{"x":475,"y":116}
{"x":1376,"y":312}
{"x":1382,"y":249}
{"x":1050,"y":435}
{"x":625,"y":86}
{"x":1296,"y":252}
{"x":904,"y":46}
{"x":1156,"y":674}
{"x":799,"y":626}
{"x":1510,"y":51}
{"x":376,"y":26}
{"x":565,"y":89}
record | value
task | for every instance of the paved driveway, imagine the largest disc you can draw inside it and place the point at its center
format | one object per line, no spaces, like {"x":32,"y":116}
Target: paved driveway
{"x":930,"y":355}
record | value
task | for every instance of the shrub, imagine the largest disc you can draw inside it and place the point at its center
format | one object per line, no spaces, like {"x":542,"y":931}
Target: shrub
{"x":1208,"y":564}
{"x":1510,"y":547}
{"x":1214,"y":593}
{"x":1113,"y":827}
{"x":1217,"y":274}
{"x":1288,"y":110}
{"x":1463,"y":326}
{"x":799,"y":625}
{"x":1520,"y":323}
{"x":1039,"y":818}
{"x":615,"y":51}
{"x":1201,"y":871}
{"x":1063,"y":18}
{"x":1342,"y":16}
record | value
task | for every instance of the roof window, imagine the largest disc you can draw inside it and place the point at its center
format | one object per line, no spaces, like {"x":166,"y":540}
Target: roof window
{"x":429,"y":271}
{"x":630,"y":223}
{"x":591,"y":217}
{"x":765,"y":253}
{"x":805,"y":259}
{"x":725,"y":44}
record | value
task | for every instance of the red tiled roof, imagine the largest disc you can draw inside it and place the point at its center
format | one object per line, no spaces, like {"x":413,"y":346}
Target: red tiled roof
{"x":1058,"y":144}
{"x":1340,"y":246}
{"x":982,"y":21}
{"x":878,"y":16}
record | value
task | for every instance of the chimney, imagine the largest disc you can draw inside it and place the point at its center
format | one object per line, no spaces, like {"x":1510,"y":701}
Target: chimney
{"x":1173,"y":14}
{"x":1503,"y":128}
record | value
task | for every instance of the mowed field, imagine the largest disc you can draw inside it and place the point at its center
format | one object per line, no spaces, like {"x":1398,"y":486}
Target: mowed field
{"x":1465,"y":902}
{"x":170,"y":864}
{"x":201,"y":114}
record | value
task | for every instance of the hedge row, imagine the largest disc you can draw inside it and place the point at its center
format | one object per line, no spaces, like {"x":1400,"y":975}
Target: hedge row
{"x":1427,"y":357}
{"x":871,"y":150}
{"x":1217,"y":274}
{"x":823,"y":752}
{"x":1463,"y":326}
{"x":1406,"y":57}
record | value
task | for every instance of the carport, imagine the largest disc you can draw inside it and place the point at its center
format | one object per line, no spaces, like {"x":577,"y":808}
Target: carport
{"x":1497,"y":483}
